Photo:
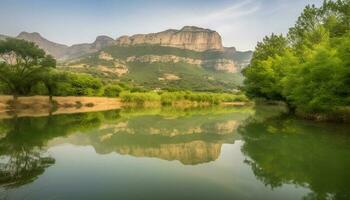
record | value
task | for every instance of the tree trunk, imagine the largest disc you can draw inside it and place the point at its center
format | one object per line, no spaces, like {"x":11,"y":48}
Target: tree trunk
{"x":15,"y":98}
{"x":50,"y":99}
{"x":291,"y":108}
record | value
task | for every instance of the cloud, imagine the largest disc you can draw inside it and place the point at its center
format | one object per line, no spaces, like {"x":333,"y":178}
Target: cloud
{"x":230,"y":13}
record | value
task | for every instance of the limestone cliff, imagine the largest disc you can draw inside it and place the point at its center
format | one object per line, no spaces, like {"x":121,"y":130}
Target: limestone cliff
{"x":189,"y":37}
{"x":203,"y":48}
{"x":218,"y":64}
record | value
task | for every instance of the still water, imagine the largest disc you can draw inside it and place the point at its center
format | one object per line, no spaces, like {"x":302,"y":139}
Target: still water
{"x":167,"y":153}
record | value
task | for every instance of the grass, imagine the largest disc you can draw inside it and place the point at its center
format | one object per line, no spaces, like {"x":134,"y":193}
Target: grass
{"x":169,"y":98}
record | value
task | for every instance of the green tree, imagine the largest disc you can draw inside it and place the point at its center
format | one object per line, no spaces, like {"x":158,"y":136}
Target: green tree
{"x":311,"y":70}
{"x":77,"y":84}
{"x":112,"y":90}
{"x":266,"y":68}
{"x":22,"y":63}
{"x":51,"y":81}
{"x":321,"y":83}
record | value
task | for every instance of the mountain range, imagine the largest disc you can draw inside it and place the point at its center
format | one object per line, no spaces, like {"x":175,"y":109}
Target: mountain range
{"x":162,"y":59}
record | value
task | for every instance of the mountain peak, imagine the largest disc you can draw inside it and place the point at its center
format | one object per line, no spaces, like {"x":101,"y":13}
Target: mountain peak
{"x":103,"y":38}
{"x":103,"y":41}
{"x":195,"y":29}
{"x":189,"y":37}
{"x":27,"y":34}
{"x":56,"y":50}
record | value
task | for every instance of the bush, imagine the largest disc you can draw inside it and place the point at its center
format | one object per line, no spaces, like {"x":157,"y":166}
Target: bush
{"x":112,"y":90}
{"x":139,"y":97}
{"x":168,"y":98}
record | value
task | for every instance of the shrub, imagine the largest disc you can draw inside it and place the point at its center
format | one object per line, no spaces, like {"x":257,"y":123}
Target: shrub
{"x":112,"y":90}
{"x":139,"y":97}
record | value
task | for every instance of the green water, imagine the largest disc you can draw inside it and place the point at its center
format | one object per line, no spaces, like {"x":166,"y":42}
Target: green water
{"x":213,"y":153}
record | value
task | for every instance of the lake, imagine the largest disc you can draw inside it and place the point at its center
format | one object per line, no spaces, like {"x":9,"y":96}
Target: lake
{"x":169,"y":153}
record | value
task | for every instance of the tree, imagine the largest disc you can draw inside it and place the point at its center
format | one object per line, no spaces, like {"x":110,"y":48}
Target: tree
{"x":322,"y":82}
{"x":112,"y":90}
{"x":266,"y":68}
{"x":22,"y":63}
{"x":51,"y":81}
{"x":311,"y":70}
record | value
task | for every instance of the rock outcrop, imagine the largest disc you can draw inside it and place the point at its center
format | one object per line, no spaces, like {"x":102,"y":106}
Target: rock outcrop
{"x":218,"y":64}
{"x":203,"y":41}
{"x":189,"y":37}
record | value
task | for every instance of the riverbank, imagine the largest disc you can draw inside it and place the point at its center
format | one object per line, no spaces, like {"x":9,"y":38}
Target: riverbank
{"x":40,"y":105}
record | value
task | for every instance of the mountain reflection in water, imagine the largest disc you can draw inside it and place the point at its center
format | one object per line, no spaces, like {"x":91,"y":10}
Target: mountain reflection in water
{"x":191,"y":136}
{"x":221,"y":152}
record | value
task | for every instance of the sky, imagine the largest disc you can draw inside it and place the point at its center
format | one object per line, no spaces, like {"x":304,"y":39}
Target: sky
{"x":241,"y":23}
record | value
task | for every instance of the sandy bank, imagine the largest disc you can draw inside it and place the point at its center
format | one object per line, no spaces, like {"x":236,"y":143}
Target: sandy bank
{"x":40,"y":106}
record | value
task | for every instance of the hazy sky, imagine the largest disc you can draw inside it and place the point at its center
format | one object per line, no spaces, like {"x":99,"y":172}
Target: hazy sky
{"x":241,"y":23}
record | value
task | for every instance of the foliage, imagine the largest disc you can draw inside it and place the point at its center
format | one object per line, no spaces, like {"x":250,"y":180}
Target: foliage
{"x":139,"y":97}
{"x":167,"y":98}
{"x":112,"y":90}
{"x":22,"y":63}
{"x":311,"y":71}
{"x":79,"y":85}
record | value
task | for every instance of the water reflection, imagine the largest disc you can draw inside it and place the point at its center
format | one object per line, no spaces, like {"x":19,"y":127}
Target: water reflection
{"x":21,"y":157}
{"x":283,"y":150}
{"x":279,"y":151}
{"x":192,"y":136}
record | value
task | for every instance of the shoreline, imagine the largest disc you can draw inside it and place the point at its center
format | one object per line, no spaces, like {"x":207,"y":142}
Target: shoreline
{"x":38,"y":106}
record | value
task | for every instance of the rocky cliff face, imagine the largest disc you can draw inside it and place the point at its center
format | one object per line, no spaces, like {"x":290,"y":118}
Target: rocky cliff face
{"x":198,"y":40}
{"x":189,"y":37}
{"x":218,"y":64}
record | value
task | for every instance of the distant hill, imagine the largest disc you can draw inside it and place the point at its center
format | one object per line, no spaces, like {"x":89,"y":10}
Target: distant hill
{"x":56,"y":50}
{"x":63,"y":52}
{"x":191,"y":58}
{"x":3,"y":37}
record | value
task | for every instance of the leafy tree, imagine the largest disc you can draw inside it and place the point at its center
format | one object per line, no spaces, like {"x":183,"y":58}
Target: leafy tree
{"x":76,"y":84}
{"x":22,"y":63}
{"x":51,"y":81}
{"x":265,"y":69}
{"x":321,"y":83}
{"x":311,"y":70}
{"x":112,"y":90}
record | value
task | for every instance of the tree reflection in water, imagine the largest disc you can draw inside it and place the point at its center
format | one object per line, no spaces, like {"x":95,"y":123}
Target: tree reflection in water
{"x":190,"y":136}
{"x":283,"y":150}
{"x":21,"y":161}
{"x":23,"y":141}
